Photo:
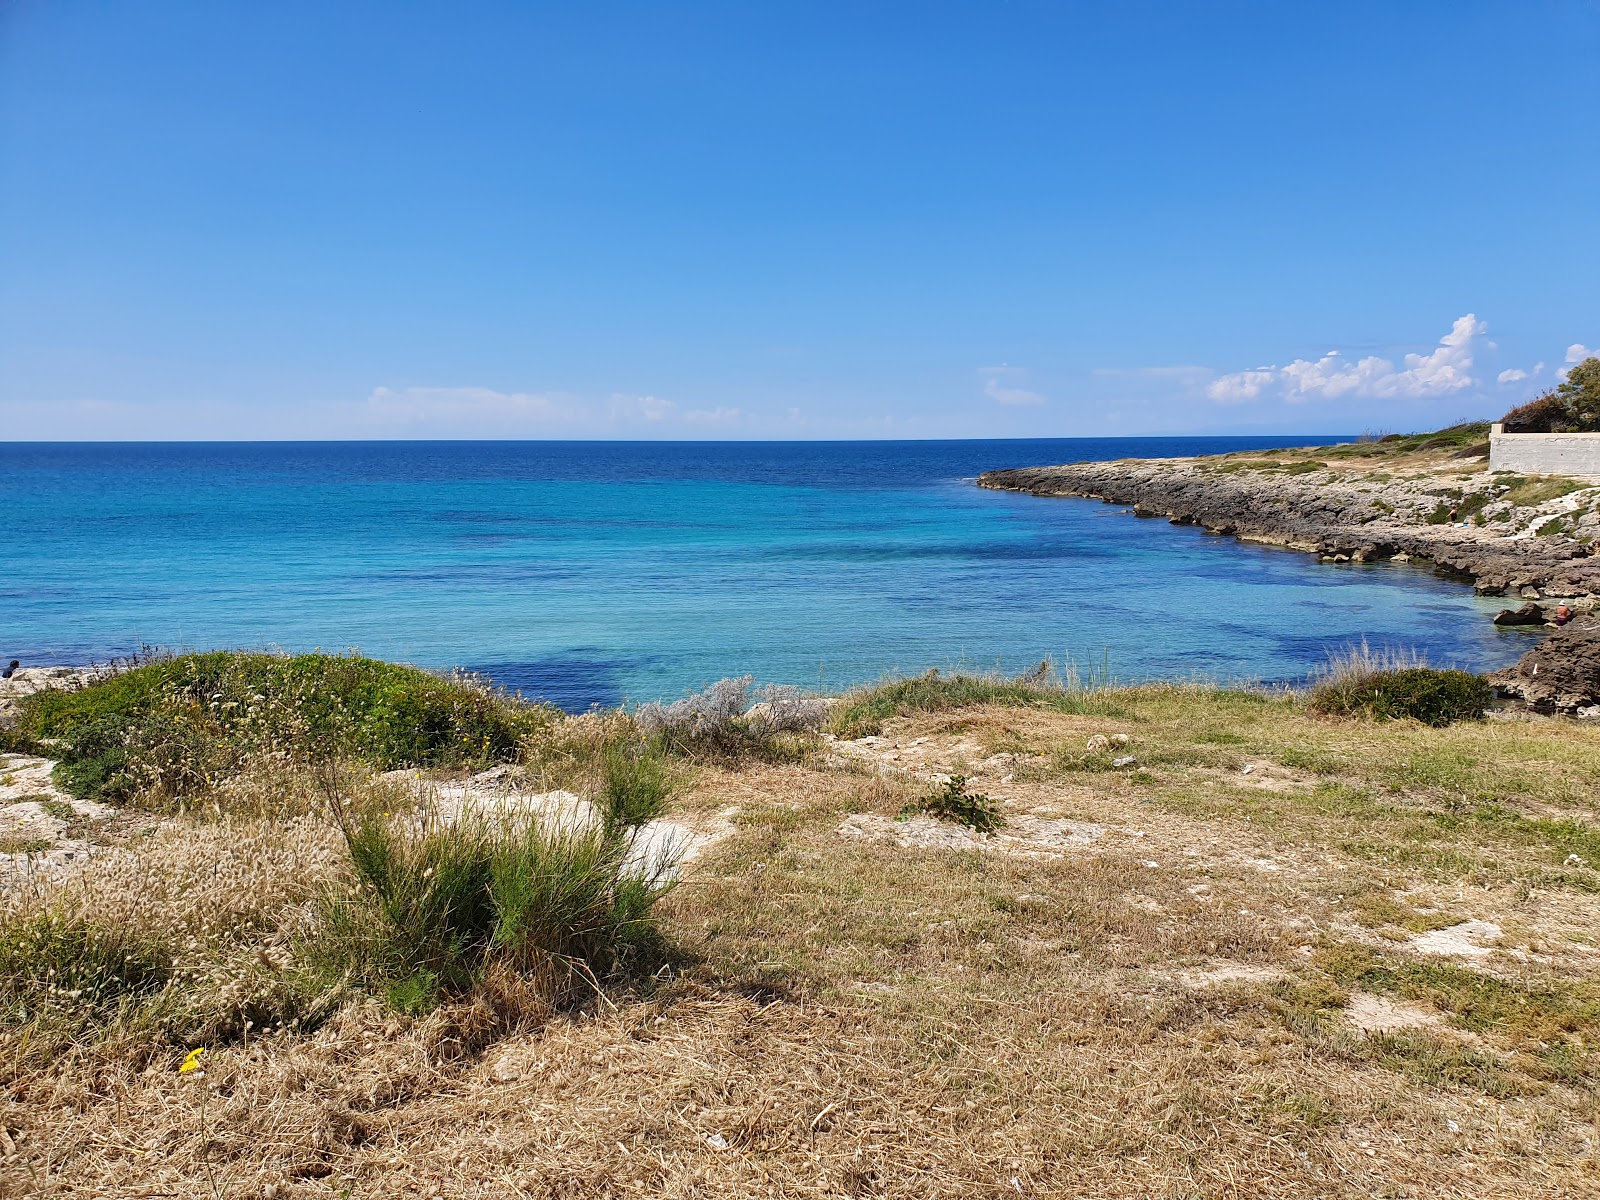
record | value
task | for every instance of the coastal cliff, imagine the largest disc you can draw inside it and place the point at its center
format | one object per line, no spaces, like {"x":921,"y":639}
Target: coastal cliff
{"x":1428,"y":500}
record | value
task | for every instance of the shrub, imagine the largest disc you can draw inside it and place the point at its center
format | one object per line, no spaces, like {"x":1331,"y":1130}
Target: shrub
{"x":173,"y":727}
{"x":636,"y":784}
{"x":1392,"y":686}
{"x":954,"y":803}
{"x":732,"y":718}
{"x":1572,"y":406}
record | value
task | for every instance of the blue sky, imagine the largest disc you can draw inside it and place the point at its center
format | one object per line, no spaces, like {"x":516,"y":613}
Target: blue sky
{"x":790,"y":221}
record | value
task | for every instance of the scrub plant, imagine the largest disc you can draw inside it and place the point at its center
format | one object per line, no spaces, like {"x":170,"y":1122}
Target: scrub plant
{"x":954,"y":803}
{"x":170,"y":729}
{"x":1392,"y":685}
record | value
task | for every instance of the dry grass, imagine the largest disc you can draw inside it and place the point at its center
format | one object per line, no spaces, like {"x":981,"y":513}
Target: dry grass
{"x":1160,"y":1013}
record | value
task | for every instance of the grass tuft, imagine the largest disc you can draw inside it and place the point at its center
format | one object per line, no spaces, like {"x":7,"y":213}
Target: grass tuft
{"x":446,"y":907}
{"x":863,"y":712}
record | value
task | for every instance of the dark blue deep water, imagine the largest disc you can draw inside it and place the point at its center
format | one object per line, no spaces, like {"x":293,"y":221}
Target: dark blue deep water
{"x":604,"y":571}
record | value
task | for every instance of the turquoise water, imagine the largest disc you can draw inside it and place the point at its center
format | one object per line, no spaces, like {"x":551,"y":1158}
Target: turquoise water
{"x":600,"y":572}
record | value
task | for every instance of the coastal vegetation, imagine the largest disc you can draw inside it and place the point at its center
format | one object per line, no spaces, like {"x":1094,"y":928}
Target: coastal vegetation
{"x":1181,"y":933}
{"x":168,"y":729}
{"x":1572,"y":406}
{"x":1393,"y":685}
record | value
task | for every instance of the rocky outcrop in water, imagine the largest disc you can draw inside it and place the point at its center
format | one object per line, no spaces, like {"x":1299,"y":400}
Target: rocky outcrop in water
{"x":1559,"y":675}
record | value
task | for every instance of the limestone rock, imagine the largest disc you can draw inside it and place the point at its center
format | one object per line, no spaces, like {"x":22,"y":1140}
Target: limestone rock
{"x":1559,"y":675}
{"x":1529,"y":614}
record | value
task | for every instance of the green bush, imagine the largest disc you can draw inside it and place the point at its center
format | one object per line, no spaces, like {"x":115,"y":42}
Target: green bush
{"x":954,"y":803}
{"x":1571,"y":406}
{"x":170,"y":728}
{"x":1434,"y":697}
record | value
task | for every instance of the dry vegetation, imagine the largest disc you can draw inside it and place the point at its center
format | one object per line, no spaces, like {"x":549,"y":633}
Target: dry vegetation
{"x":1230,"y":984}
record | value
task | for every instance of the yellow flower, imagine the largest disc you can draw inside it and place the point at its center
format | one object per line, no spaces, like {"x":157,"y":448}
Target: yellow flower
{"x":192,"y":1061}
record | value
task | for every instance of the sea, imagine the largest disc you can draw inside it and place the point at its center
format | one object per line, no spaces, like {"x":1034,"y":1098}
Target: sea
{"x":604,"y":573}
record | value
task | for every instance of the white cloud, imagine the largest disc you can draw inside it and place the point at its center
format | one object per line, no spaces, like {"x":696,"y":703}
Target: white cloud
{"x":1242,"y":385}
{"x":711,"y":416}
{"x":1447,"y":369}
{"x":477,"y":410}
{"x":1577,"y":352}
{"x":1002,"y":385}
{"x":474,"y":406}
{"x":1515,"y":375}
{"x":1192,"y":374}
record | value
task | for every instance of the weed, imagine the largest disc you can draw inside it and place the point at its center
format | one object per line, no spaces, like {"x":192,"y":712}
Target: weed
{"x":727,"y":721}
{"x":14,"y":844}
{"x":448,"y":906}
{"x":1541,"y":489}
{"x":954,"y":803}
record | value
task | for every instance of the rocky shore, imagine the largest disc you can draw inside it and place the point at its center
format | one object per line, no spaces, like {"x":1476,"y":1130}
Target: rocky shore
{"x":1441,"y":507}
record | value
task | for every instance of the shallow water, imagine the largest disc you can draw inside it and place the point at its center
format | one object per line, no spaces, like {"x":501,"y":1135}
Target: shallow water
{"x":598,"y":572}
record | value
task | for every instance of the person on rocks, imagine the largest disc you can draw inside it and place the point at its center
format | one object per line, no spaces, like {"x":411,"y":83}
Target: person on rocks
{"x":1563,"y":614}
{"x":11,"y":670}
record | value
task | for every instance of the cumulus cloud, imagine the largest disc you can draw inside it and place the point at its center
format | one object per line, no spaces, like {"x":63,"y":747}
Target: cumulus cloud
{"x":1446,"y":369}
{"x":1515,"y":375}
{"x":1003,"y":385}
{"x":1576,"y":353}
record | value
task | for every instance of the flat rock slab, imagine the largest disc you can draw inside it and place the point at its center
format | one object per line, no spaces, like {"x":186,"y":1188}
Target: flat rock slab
{"x":1019,"y":835}
{"x":1222,"y":974}
{"x":1379,"y":1014}
{"x":660,"y":848}
{"x":37,"y":814}
{"x":1467,"y":940}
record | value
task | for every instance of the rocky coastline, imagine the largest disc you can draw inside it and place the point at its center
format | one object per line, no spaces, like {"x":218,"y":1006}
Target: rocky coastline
{"x":1398,"y":508}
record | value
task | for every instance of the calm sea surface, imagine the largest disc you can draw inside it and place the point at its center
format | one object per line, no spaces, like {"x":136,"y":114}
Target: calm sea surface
{"x":600,"y":572}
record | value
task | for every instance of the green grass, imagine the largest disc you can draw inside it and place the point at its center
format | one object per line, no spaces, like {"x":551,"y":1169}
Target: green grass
{"x":864,"y":712}
{"x":1530,"y":493}
{"x":1525,"y":1013}
{"x":1467,"y":436}
{"x":13,"y":844}
{"x":173,"y":727}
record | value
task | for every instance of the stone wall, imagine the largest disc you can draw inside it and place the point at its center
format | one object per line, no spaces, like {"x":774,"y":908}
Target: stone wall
{"x":1576,"y":454}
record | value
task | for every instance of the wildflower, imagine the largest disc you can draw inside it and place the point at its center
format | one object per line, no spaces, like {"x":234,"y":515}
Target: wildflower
{"x":191,"y":1061}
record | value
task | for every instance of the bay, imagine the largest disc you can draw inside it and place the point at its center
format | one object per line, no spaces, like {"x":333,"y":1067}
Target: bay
{"x":602,"y":572}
